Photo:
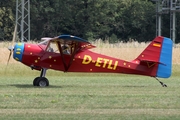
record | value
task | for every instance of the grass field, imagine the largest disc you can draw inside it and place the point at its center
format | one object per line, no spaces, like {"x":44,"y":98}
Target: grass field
{"x":81,"y":96}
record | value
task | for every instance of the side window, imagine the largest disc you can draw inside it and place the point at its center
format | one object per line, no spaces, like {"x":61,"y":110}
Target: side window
{"x":53,"y":47}
{"x":66,"y":49}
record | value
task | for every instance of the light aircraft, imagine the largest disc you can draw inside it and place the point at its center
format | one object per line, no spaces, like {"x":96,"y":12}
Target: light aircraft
{"x":69,"y":53}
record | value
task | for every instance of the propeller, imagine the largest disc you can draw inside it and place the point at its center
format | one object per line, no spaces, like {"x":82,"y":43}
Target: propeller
{"x":11,"y":48}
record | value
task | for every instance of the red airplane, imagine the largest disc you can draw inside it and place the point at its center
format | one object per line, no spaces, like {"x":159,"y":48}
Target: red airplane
{"x":69,"y":53}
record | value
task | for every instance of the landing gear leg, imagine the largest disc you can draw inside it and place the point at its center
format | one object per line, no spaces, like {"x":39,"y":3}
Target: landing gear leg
{"x":164,"y":85}
{"x":41,"y":81}
{"x":43,"y":72}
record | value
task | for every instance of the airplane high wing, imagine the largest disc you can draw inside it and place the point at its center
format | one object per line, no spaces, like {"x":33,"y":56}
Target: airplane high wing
{"x":74,"y":41}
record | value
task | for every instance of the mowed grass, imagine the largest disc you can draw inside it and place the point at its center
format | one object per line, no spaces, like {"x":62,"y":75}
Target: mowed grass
{"x":81,"y":96}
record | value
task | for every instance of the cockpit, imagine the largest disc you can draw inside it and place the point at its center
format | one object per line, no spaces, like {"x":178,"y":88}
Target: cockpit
{"x":65,"y":44}
{"x":56,"y":46}
{"x":64,"y":47}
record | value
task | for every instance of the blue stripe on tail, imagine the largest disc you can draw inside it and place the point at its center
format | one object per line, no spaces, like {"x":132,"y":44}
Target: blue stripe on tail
{"x":165,"y":69}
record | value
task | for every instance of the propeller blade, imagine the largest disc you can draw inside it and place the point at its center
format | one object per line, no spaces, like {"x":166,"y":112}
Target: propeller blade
{"x":9,"y":57}
{"x":14,"y":35}
{"x":11,"y":48}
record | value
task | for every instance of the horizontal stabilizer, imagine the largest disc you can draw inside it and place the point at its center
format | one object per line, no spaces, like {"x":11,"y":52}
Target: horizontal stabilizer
{"x":142,"y":61}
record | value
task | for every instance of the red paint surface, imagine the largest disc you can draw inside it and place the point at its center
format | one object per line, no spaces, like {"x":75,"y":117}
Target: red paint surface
{"x":86,"y":61}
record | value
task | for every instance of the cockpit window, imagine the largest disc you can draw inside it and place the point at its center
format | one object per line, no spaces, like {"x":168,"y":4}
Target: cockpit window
{"x":53,"y":47}
{"x":65,"y":49}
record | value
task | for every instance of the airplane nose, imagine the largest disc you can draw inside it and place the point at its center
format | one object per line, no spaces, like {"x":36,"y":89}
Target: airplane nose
{"x":18,"y":51}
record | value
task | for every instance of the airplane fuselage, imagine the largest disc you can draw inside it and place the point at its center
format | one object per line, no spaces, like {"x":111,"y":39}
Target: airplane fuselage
{"x":83,"y":61}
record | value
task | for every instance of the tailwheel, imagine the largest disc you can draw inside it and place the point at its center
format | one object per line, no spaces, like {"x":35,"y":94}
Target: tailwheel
{"x":164,"y":85}
{"x":41,"y":81}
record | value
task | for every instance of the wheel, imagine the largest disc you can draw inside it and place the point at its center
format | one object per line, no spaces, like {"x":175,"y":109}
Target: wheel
{"x":42,"y":82}
{"x":35,"y":81}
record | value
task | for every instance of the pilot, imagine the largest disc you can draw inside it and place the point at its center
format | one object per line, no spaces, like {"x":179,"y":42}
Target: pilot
{"x":65,"y":49}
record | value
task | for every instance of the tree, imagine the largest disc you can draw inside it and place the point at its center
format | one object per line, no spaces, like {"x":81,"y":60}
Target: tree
{"x":136,"y":20}
{"x":90,"y":19}
{"x":6,"y":20}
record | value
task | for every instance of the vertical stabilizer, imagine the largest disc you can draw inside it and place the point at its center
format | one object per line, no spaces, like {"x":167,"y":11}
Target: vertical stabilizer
{"x":157,"y":57}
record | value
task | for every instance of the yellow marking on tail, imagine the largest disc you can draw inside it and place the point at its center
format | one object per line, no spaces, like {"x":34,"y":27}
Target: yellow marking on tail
{"x":157,"y":45}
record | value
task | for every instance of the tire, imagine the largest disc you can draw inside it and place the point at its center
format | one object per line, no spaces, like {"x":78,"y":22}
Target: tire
{"x":42,"y":82}
{"x":35,"y":81}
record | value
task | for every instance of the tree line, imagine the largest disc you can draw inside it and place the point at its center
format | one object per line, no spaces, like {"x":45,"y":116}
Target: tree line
{"x":113,"y":20}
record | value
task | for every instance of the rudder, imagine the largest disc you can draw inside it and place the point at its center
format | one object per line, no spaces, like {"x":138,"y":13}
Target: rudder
{"x":165,"y":69}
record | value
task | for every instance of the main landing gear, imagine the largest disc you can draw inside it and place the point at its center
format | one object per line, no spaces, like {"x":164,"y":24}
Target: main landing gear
{"x":41,"y":81}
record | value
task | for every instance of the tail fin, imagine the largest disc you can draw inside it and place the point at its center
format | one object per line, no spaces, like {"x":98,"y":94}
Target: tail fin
{"x":159,"y":54}
{"x":164,"y":71}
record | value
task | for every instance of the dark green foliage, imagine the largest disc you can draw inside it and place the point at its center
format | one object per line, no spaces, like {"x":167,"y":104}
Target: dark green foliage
{"x":7,"y":19}
{"x":111,"y":20}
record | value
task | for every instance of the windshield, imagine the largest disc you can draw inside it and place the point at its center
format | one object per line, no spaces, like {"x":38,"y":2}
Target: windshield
{"x":44,"y":44}
{"x":49,"y":46}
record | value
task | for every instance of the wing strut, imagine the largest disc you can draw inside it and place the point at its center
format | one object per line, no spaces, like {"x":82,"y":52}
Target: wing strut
{"x":63,"y":60}
{"x":66,"y":66}
{"x":72,"y":56}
